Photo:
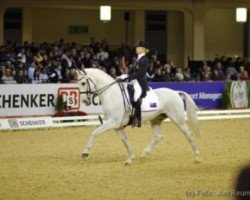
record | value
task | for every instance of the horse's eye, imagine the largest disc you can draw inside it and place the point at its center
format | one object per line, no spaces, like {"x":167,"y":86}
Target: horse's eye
{"x":83,"y":84}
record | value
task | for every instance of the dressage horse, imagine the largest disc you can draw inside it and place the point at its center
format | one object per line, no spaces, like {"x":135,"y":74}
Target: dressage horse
{"x":96,"y":82}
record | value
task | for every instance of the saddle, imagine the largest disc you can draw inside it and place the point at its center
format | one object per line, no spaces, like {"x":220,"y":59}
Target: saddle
{"x":149,"y":103}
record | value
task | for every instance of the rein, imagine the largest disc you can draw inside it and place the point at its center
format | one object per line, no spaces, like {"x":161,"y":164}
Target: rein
{"x":89,"y":80}
{"x":99,"y":91}
{"x":103,"y":89}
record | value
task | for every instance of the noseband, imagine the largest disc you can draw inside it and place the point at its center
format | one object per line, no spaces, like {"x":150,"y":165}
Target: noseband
{"x":88,"y":81}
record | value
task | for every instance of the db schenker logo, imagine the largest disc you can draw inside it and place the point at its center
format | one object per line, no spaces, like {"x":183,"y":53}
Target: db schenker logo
{"x":71,"y":97}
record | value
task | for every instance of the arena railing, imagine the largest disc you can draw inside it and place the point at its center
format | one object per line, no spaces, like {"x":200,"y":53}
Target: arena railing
{"x":94,"y":120}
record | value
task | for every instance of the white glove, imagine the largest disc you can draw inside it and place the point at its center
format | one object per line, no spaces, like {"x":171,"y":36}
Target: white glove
{"x":122,"y":77}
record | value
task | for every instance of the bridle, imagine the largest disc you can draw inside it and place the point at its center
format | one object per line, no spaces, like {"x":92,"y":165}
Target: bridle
{"x":90,"y":93}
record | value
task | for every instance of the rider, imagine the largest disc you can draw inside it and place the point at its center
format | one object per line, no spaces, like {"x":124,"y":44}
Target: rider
{"x":137,"y":77}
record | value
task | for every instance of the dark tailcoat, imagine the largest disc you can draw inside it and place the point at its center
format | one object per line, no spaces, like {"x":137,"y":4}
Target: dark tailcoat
{"x":138,"y":71}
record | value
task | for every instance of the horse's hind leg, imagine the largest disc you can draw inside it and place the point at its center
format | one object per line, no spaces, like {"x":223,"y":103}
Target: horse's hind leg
{"x":123,"y":137}
{"x":185,"y":129}
{"x":155,"y":124}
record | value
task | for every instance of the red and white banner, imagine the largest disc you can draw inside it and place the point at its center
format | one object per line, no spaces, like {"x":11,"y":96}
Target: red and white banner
{"x":40,"y":99}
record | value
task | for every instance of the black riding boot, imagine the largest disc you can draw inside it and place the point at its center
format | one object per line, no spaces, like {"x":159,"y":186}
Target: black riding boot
{"x":137,"y":119}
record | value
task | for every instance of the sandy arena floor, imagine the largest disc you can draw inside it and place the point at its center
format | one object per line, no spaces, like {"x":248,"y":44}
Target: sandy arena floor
{"x":47,"y":164}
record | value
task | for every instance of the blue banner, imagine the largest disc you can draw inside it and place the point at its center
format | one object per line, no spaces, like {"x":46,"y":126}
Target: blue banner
{"x":207,"y":95}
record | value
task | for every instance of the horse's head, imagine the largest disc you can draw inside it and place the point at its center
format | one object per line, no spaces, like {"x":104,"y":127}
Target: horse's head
{"x":86,"y":86}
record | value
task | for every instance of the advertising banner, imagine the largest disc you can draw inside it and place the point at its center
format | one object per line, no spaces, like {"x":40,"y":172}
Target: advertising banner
{"x":27,"y":99}
{"x":26,"y":123}
{"x":40,"y":99}
{"x":236,"y":95}
{"x":207,"y":95}
{"x":95,"y":106}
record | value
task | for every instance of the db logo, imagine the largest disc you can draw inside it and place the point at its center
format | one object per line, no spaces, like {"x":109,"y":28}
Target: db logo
{"x":71,"y":96}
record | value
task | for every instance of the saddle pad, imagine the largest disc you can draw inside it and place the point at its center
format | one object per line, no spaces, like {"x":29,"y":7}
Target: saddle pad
{"x":150,"y":102}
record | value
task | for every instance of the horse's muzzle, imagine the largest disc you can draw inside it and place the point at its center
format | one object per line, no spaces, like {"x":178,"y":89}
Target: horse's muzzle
{"x":87,"y":101}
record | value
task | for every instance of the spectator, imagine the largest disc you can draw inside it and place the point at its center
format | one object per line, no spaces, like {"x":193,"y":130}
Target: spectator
{"x":56,"y":52}
{"x":122,"y":66}
{"x":158,"y":77}
{"x":44,"y":76}
{"x":66,"y":60}
{"x":53,"y":76}
{"x":102,"y":53}
{"x":31,"y":71}
{"x":22,"y":56}
{"x":230,"y":69}
{"x":206,"y":75}
{"x":58,"y":69}
{"x":167,"y":74}
{"x":29,"y":57}
{"x":7,"y":77}
{"x":94,"y":63}
{"x":216,"y":75}
{"x":2,"y":71}
{"x":187,"y":74}
{"x":173,"y":66}
{"x":231,"y":72}
{"x":242,"y":75}
{"x":36,"y":78}
{"x":66,"y":78}
{"x":87,"y":60}
{"x":20,"y":77}
{"x":103,"y":62}
{"x":219,"y":68}
{"x":154,"y":59}
{"x":8,"y":64}
{"x":112,"y":72}
{"x":179,"y":75}
{"x":150,"y":73}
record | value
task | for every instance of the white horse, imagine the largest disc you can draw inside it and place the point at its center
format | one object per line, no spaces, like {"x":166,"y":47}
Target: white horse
{"x":94,"y":81}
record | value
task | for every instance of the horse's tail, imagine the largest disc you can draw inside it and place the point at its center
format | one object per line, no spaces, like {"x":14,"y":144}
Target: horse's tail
{"x":191,"y":110}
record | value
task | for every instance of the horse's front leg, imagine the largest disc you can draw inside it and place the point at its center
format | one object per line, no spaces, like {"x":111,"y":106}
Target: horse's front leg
{"x":123,"y":137}
{"x":157,"y":137}
{"x":108,"y":125}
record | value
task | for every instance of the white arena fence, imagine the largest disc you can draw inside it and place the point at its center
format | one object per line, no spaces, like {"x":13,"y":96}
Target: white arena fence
{"x":93,"y":120}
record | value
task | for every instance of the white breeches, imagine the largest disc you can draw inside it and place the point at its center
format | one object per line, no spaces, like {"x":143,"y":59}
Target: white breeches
{"x":137,"y":88}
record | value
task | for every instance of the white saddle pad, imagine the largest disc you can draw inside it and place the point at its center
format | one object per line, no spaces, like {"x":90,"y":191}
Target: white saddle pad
{"x":150,"y":102}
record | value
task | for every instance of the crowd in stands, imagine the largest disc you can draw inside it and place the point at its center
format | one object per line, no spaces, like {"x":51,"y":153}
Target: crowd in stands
{"x":56,"y":63}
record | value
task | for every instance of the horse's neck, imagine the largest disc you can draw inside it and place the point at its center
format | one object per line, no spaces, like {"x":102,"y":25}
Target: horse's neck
{"x":101,"y":80}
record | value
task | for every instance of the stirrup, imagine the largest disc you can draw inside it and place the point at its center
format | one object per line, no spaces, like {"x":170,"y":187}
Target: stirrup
{"x":131,"y":119}
{"x":136,"y":122}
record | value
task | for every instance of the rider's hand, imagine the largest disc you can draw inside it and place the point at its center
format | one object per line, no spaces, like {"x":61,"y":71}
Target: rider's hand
{"x":122,"y":77}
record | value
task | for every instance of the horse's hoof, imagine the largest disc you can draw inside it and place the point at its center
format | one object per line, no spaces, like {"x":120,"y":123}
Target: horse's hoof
{"x":85,"y":155}
{"x":128,"y":162}
{"x":197,"y":160}
{"x":144,"y":154}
